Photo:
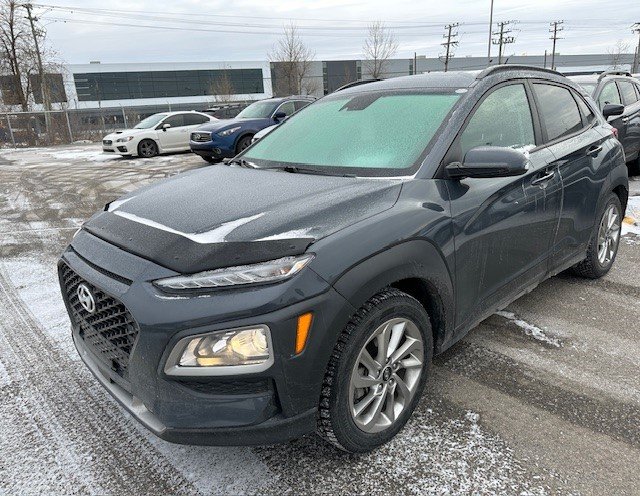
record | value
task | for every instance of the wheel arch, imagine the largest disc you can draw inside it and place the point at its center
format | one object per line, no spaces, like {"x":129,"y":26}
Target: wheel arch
{"x":416,"y":267}
{"x":148,"y":138}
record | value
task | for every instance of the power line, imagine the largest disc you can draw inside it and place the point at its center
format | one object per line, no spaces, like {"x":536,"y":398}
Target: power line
{"x":556,"y":29}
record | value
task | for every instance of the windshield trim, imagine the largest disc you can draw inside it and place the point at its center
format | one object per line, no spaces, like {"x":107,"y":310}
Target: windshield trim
{"x":368,"y":172}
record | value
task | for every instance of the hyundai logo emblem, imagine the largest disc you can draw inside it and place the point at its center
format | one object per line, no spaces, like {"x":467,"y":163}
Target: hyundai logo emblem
{"x":86,"y":298}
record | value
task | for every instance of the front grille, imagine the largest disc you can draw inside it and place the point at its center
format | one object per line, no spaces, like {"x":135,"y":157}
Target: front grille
{"x":107,"y":142}
{"x":201,"y":137}
{"x":110,"y":331}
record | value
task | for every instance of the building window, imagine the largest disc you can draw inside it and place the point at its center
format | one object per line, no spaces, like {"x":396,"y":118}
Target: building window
{"x":165,"y":84}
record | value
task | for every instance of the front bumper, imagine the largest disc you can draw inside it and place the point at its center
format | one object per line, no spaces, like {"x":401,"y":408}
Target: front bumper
{"x":272,"y":406}
{"x":216,"y":148}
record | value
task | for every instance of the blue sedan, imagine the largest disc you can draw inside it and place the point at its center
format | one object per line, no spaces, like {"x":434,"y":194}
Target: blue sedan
{"x":227,"y":138}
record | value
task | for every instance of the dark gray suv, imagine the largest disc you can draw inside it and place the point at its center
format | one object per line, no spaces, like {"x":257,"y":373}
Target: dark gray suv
{"x":618,"y":96}
{"x":306,"y":286}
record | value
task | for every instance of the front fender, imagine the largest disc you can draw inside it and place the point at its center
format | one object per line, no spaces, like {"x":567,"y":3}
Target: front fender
{"x":413,"y":259}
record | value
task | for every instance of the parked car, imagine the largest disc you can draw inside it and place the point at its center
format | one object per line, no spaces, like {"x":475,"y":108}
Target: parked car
{"x":621,"y":92}
{"x":159,"y":133}
{"x":225,"y":139}
{"x":307,"y":286}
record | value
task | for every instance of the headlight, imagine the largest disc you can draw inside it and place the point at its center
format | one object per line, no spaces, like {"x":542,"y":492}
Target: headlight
{"x":124,"y":140}
{"x":272,"y":271}
{"x":233,"y":351}
{"x":229,"y":131}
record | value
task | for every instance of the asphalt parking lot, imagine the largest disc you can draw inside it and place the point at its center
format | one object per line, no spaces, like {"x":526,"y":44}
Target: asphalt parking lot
{"x":541,"y":399}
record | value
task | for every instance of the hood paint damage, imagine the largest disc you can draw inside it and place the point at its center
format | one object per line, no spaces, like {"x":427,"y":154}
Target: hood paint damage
{"x":223,"y":216}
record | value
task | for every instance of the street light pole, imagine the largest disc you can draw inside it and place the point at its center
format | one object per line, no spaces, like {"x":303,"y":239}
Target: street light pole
{"x":490,"y":34}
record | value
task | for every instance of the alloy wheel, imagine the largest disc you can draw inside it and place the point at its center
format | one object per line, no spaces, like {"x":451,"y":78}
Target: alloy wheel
{"x":386,"y":375}
{"x":608,"y":235}
{"x":148,"y":149}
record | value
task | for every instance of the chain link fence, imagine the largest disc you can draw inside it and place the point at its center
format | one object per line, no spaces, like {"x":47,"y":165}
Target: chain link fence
{"x":58,"y":127}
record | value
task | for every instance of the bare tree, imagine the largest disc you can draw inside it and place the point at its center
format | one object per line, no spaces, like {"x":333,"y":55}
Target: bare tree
{"x":222,"y":88}
{"x":616,"y":54}
{"x":24,"y":56}
{"x":14,"y":43}
{"x":378,"y":48}
{"x":292,"y":60}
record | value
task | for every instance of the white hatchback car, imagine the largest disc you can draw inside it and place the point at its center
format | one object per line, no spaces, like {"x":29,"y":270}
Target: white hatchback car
{"x":160,"y":133}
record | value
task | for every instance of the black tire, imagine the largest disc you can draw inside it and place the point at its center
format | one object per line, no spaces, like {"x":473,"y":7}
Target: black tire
{"x":592,"y":267}
{"x":634,"y":167}
{"x":243,"y":143}
{"x":148,"y":148}
{"x":336,"y":423}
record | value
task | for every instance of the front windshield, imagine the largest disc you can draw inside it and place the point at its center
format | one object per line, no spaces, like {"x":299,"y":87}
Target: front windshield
{"x":150,"y":121}
{"x":379,"y":133}
{"x":258,"y":110}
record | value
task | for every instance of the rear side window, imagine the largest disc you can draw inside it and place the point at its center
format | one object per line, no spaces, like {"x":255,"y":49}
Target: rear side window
{"x":627,"y":92}
{"x":194,"y":119}
{"x":609,"y":95}
{"x":558,"y":110}
{"x":502,"y":119}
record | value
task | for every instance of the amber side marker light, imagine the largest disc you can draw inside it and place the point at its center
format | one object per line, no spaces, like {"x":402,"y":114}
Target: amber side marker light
{"x":302,"y":332}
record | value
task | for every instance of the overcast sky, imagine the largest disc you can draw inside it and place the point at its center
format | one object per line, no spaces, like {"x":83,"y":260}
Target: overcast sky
{"x":215,"y":30}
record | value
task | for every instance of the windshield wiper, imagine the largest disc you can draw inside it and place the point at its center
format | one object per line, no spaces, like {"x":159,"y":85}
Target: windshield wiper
{"x":294,"y":169}
{"x":242,"y":162}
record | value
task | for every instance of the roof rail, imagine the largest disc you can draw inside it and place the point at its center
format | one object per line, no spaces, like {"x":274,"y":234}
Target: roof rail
{"x":614,"y":73}
{"x":504,"y":67}
{"x":357,"y":83}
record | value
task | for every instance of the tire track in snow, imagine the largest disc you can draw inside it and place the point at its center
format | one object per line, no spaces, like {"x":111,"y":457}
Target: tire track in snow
{"x":96,"y":447}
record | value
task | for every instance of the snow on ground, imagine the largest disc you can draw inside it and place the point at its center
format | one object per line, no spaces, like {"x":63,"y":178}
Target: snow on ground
{"x":631,"y":224}
{"x":530,"y":330}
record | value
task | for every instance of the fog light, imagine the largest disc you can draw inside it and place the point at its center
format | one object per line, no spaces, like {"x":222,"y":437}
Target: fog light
{"x":223,"y":352}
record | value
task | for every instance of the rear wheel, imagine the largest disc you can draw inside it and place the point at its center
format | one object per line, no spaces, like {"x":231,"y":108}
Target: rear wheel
{"x":147,"y":148}
{"x":243,"y":143}
{"x":377,"y":372}
{"x":604,"y":243}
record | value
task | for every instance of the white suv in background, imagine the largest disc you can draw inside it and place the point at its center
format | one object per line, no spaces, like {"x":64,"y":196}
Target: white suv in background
{"x":160,"y":133}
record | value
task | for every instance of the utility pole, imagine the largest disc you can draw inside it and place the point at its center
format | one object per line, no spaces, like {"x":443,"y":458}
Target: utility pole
{"x":503,"y":39}
{"x":556,"y":28}
{"x":636,"y":60}
{"x":43,"y":87}
{"x":490,"y":35}
{"x":449,"y":44}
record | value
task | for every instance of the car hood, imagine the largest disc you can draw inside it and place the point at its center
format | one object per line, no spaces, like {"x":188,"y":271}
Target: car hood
{"x":117,"y":134}
{"x":224,"y":216}
{"x":227,"y":123}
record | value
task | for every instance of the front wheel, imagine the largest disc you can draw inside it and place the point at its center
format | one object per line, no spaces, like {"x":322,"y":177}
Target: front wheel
{"x":243,"y":143}
{"x":377,"y":372}
{"x":604,"y":243}
{"x":147,"y":148}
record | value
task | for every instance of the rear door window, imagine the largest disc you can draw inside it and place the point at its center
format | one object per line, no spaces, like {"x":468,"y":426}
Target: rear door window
{"x":609,"y":94}
{"x":585,"y":110}
{"x":558,"y":110}
{"x":194,"y":119}
{"x":628,"y":93}
{"x":502,"y":119}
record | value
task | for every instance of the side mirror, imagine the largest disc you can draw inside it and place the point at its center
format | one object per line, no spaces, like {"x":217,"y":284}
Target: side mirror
{"x":489,"y":161}
{"x":611,"y":109}
{"x":166,"y":126}
{"x":279,"y":116}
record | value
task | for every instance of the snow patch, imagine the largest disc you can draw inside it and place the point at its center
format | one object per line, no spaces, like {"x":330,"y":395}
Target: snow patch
{"x":530,"y":330}
{"x":217,"y":235}
{"x":631,"y":223}
{"x":296,"y":233}
{"x":5,"y":380}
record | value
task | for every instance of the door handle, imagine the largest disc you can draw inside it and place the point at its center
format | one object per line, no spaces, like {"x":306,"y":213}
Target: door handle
{"x":544,"y":178}
{"x":594,"y":151}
